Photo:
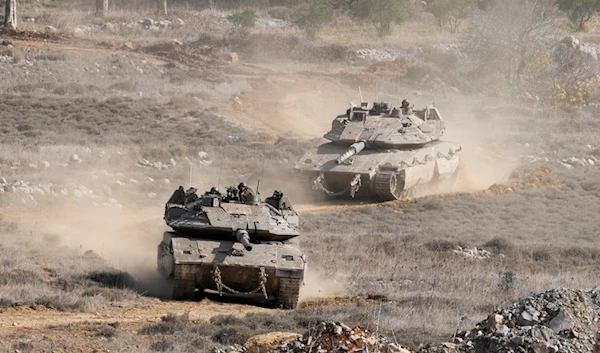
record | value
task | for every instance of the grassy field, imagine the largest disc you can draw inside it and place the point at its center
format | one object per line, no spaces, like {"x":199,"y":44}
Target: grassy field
{"x":389,"y":266}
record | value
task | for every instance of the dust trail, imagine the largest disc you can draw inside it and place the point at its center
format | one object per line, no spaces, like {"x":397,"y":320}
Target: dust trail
{"x":318,"y":285}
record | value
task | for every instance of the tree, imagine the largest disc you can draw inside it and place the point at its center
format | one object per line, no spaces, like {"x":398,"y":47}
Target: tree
{"x":101,"y":8}
{"x":579,"y":11}
{"x":162,"y":7}
{"x":382,"y":14}
{"x":312,"y":16}
{"x":504,"y":38}
{"x":451,"y":12}
{"x":10,"y":14}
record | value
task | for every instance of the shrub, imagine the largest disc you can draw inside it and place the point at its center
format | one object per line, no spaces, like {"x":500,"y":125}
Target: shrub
{"x":312,"y":16}
{"x":450,"y":12}
{"x":579,"y":12}
{"x":243,"y":20}
{"x":382,"y":14}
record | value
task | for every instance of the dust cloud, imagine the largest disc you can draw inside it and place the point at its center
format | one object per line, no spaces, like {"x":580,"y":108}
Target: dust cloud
{"x":318,"y":285}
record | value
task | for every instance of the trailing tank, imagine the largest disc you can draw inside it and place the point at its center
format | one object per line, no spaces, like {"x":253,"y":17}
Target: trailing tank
{"x":234,"y":243}
{"x":383,"y":152}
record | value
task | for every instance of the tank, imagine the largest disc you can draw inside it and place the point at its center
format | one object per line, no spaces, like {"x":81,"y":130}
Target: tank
{"x":383,"y":152}
{"x":234,"y":243}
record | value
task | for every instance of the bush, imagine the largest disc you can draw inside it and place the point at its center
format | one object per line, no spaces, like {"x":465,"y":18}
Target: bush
{"x":243,"y":20}
{"x":450,"y":12}
{"x":312,"y":16}
{"x":381,"y":13}
{"x":579,"y":12}
{"x":280,"y":13}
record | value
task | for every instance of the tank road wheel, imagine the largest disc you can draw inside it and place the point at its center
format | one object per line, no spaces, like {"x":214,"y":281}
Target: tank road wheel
{"x":184,"y":282}
{"x":389,"y":186}
{"x":289,"y":290}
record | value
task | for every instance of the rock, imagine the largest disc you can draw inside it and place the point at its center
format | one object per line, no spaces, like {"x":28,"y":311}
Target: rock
{"x":167,"y":181}
{"x":45,"y":164}
{"x":269,"y":341}
{"x":173,"y":162}
{"x":180,"y":22}
{"x":151,"y":195}
{"x":527,"y":319}
{"x":50,"y":29}
{"x":562,"y":321}
{"x":202,"y":155}
{"x":75,"y":158}
{"x":78,"y":32}
{"x":231,"y":58}
{"x":147,"y":22}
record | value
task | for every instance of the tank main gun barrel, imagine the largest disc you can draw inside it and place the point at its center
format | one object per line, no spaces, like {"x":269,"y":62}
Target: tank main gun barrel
{"x":243,"y":237}
{"x":352,"y":150}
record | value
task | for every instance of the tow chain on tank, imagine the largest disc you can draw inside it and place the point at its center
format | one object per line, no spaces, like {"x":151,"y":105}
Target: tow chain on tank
{"x":262,"y":283}
{"x":353,"y":187}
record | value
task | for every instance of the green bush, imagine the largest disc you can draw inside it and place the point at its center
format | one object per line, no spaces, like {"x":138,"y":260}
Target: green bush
{"x":245,"y":19}
{"x":312,"y":16}
{"x":579,"y":11}
{"x":382,"y":14}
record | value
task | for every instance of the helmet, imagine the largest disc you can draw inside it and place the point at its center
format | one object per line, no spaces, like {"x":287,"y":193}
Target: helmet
{"x":214,"y":190}
{"x":241,"y":185}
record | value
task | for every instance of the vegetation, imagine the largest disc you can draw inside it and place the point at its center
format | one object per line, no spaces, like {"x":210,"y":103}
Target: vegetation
{"x":382,"y":14}
{"x":579,"y":11}
{"x":312,"y":16}
{"x":451,"y":13}
{"x":244,"y":20}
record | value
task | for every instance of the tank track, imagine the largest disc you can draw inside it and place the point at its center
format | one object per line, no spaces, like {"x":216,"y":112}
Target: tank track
{"x":385,"y":186}
{"x":184,"y":282}
{"x":289,"y":290}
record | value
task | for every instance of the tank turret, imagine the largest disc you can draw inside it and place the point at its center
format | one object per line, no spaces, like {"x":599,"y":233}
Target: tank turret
{"x":385,"y":151}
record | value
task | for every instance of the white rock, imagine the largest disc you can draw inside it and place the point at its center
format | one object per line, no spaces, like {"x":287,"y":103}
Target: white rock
{"x":591,"y":162}
{"x":173,"y":162}
{"x":133,"y":181}
{"x":568,"y":166}
{"x":167,"y":181}
{"x":32,"y":165}
{"x":150,"y":179}
{"x":77,"y":194}
{"x":120,"y":183}
{"x":202,"y":155}
{"x":50,"y":29}
{"x":75,"y":158}
{"x":45,"y":164}
{"x":151,"y":195}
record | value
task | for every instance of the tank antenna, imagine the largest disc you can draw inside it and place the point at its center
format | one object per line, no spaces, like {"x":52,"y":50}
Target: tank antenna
{"x":376,"y":91}
{"x":360,"y":94}
{"x":262,"y":173}
{"x":191,"y":166}
{"x":221,"y":167}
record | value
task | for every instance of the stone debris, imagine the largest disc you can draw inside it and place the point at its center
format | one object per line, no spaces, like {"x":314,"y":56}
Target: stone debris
{"x":473,"y":253}
{"x":559,"y":320}
{"x":337,"y":337}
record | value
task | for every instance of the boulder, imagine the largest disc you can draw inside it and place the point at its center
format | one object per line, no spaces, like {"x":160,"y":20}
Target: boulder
{"x":269,"y":341}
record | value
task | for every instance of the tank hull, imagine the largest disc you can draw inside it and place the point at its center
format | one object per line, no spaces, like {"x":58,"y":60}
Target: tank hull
{"x":387,"y":174}
{"x":272,"y":269}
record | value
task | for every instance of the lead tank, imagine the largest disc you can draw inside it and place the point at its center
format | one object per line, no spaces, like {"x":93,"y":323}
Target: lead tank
{"x":232,"y":243}
{"x":383,"y":152}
